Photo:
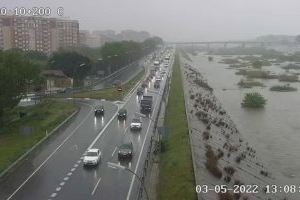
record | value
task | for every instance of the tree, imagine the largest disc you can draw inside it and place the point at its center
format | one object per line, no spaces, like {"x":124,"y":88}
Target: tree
{"x":36,"y":55}
{"x":16,"y":73}
{"x":254,"y":100}
{"x":71,"y":63}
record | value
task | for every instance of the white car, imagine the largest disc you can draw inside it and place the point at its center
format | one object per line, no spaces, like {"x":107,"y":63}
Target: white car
{"x":92,"y":157}
{"x":158,"y":78}
{"x":136,"y":124}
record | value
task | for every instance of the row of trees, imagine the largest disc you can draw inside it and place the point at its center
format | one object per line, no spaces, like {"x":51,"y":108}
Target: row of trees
{"x":112,"y":56}
{"x":20,"y":71}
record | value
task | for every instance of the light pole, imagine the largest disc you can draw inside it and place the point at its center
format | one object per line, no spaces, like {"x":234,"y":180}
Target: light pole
{"x":74,"y":74}
{"x":117,"y":166}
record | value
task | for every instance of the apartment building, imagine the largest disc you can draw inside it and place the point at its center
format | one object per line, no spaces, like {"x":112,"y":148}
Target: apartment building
{"x":38,"y":33}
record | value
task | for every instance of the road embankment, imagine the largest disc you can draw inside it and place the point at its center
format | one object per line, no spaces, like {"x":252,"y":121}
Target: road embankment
{"x":21,"y":135}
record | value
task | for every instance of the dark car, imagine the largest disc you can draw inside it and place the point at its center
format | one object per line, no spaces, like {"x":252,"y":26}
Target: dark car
{"x":122,"y":114}
{"x":140,"y":91}
{"x":145,"y":84}
{"x":99,"y":111}
{"x":125,"y":151}
{"x":157,"y":84}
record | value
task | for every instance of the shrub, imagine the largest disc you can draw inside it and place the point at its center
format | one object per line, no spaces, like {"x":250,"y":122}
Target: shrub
{"x":225,"y":196}
{"x":229,"y":170}
{"x":254,"y":100}
{"x":212,"y":163}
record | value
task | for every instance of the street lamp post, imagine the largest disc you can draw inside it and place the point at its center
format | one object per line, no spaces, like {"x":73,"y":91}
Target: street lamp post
{"x":74,"y":74}
{"x":117,"y":166}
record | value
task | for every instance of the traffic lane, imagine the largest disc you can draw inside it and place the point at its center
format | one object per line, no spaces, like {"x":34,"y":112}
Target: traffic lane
{"x":133,"y":192}
{"x":84,"y":179}
{"x":87,"y":181}
{"x":124,"y":76}
{"x":119,"y":180}
{"x":60,"y":161}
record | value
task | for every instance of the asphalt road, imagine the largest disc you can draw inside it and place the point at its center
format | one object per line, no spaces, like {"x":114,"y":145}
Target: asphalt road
{"x":123,"y":75}
{"x":55,"y":170}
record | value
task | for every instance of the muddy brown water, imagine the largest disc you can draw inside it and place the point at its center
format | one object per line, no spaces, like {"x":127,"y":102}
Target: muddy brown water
{"x":273,"y":131}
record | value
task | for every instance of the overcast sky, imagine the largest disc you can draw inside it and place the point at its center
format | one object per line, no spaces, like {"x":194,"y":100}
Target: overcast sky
{"x":180,"y":20}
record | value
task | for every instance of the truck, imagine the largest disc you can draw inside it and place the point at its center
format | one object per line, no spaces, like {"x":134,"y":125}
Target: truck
{"x":146,"y":104}
{"x":157,"y":84}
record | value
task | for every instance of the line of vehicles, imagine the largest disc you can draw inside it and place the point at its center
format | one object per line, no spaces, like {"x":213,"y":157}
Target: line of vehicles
{"x":125,"y":150}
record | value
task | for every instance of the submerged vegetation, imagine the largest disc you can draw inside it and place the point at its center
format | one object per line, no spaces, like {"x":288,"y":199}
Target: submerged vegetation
{"x":256,"y":74}
{"x":249,"y":83}
{"x":254,"y":100}
{"x":283,"y":88}
{"x":288,"y":78}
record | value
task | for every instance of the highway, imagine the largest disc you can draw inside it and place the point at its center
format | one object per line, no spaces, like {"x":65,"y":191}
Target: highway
{"x":124,"y":75}
{"x":55,"y":170}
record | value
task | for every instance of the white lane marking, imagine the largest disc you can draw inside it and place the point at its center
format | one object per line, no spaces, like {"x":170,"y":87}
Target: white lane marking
{"x":53,"y":195}
{"x":69,"y":174}
{"x":79,"y":161}
{"x":126,"y":130}
{"x":62,"y":183}
{"x":112,"y":155}
{"x":66,"y":178}
{"x":138,"y":162}
{"x":58,"y":189}
{"x":94,"y":190}
{"x":73,"y":169}
{"x":43,"y":163}
{"x":102,"y":131}
{"x":76,"y":165}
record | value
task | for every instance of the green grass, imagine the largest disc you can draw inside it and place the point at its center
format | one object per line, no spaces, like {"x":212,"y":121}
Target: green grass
{"x":44,"y":116}
{"x":110,"y":93}
{"x":177,"y":179}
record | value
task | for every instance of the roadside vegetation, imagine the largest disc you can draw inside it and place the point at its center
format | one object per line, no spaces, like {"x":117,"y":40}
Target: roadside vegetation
{"x":254,"y":100}
{"x":177,"y":179}
{"x":111,"y":94}
{"x":283,"y":88}
{"x":17,"y":75}
{"x":20,"y":133}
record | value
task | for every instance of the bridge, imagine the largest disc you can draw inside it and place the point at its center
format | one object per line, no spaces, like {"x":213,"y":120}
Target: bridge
{"x":236,"y":42}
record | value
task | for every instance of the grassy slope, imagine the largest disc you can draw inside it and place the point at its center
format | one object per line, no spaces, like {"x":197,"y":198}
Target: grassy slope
{"x":13,"y":144}
{"x":110,"y":93}
{"x":176,"y":169}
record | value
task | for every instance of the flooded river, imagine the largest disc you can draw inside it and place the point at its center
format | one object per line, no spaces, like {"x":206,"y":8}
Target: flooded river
{"x":273,"y":131}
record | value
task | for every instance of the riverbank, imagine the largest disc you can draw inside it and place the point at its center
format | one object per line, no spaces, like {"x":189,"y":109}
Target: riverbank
{"x":221,"y":154}
{"x":19,"y":135}
{"x":176,"y":174}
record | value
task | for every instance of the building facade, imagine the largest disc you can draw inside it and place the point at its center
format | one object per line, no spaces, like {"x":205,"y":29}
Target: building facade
{"x":38,"y":33}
